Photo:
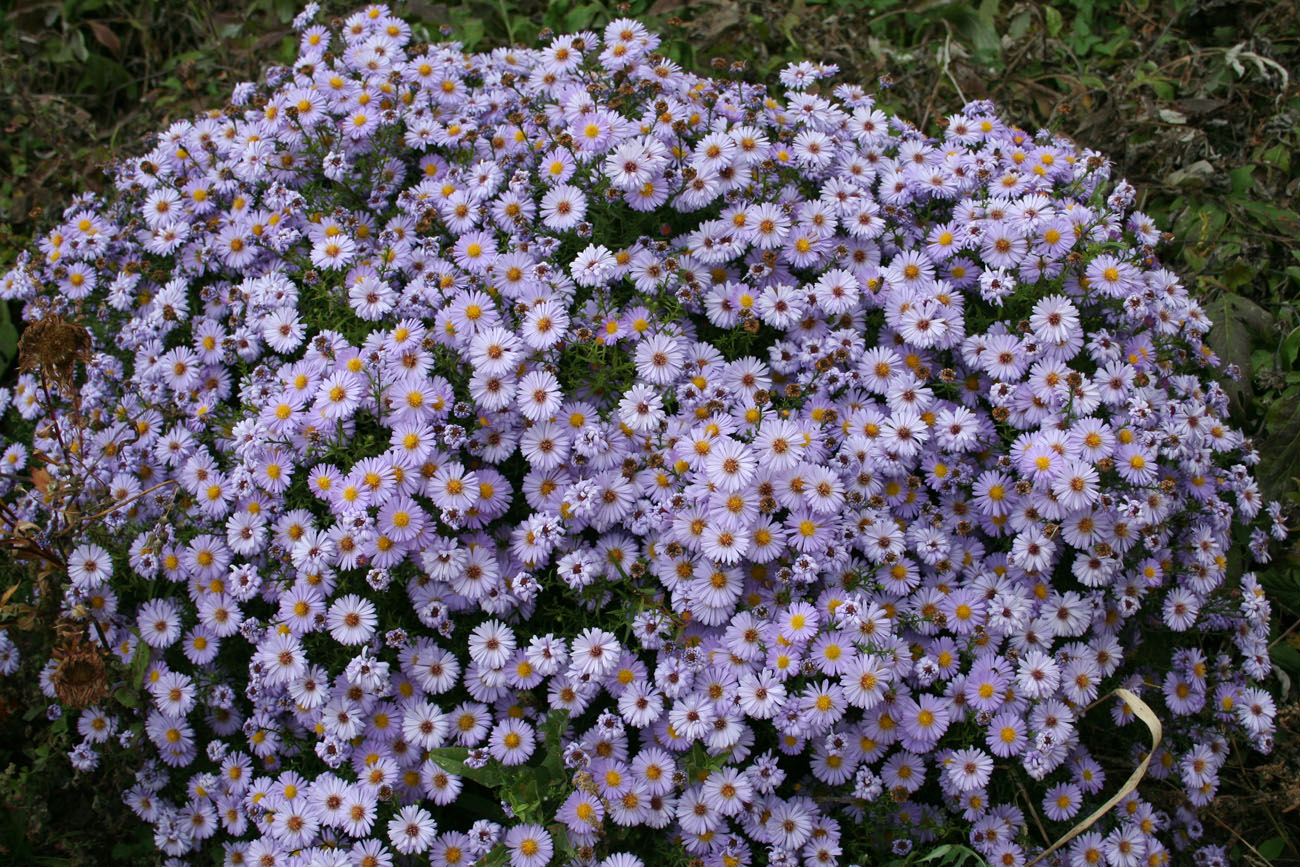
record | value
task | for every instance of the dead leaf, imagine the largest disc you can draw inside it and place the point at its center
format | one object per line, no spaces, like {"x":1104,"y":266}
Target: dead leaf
{"x":666,"y":7}
{"x":1194,"y":106}
{"x":106,"y":37}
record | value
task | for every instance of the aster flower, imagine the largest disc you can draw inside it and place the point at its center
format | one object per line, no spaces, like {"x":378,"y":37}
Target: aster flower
{"x":351,"y":619}
{"x":594,"y":653}
{"x":841,"y":539}
{"x":412,"y":830}
{"x":512,"y":742}
{"x":924,"y":720}
{"x":538,"y":395}
{"x":800,"y":622}
{"x":563,"y":207}
{"x":968,"y":769}
{"x":491,"y":644}
{"x":159,"y":623}
{"x":529,"y":846}
{"x":89,"y":566}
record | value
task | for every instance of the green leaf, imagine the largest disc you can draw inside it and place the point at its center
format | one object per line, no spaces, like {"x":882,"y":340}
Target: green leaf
{"x":139,"y":662}
{"x":1237,"y":274}
{"x":498,"y":856}
{"x":1053,"y":20}
{"x":553,"y":729}
{"x":952,"y":854}
{"x":1279,"y":445}
{"x":1290,"y":349}
{"x":1112,"y":46}
{"x":77,"y":46}
{"x":1286,"y":657}
{"x":552,"y":737}
{"x":937,"y":852}
{"x":979,"y":26}
{"x":1236,"y":320}
{"x":1272,"y":848}
{"x":285,"y":10}
{"x":452,"y":760}
{"x":1279,"y":219}
{"x":523,"y":793}
{"x":1241,"y":178}
{"x":471,"y":32}
{"x":8,"y":338}
{"x":1020,"y":24}
{"x":1278,"y":156}
{"x":582,"y":17}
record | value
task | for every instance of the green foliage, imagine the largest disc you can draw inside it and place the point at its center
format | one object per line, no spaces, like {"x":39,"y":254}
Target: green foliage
{"x":8,"y":339}
{"x":950,"y":855}
{"x":48,"y":814}
{"x":81,"y":79}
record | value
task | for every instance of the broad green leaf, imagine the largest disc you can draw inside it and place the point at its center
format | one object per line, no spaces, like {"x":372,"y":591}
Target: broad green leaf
{"x":1236,"y":320}
{"x":1279,"y":445}
{"x":952,"y":854}
{"x":1279,"y":156}
{"x":937,"y":852}
{"x":498,"y":856}
{"x":1053,"y":20}
{"x":1241,"y":178}
{"x":452,"y":759}
{"x":523,"y":793}
{"x":139,"y":663}
{"x":552,"y":737}
{"x":1290,"y":348}
{"x":978,"y":25}
{"x":285,"y":10}
{"x":553,"y":729}
{"x":1279,"y":219}
{"x":582,"y":17}
{"x":471,"y":32}
{"x":1287,"y":657}
{"x":1237,"y":274}
{"x":1272,"y":848}
{"x":8,"y":338}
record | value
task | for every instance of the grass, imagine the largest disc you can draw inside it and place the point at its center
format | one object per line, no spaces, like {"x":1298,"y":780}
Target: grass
{"x":1196,"y":103}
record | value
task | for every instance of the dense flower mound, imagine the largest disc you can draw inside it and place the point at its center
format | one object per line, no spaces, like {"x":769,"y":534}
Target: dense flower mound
{"x":545,"y":454}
